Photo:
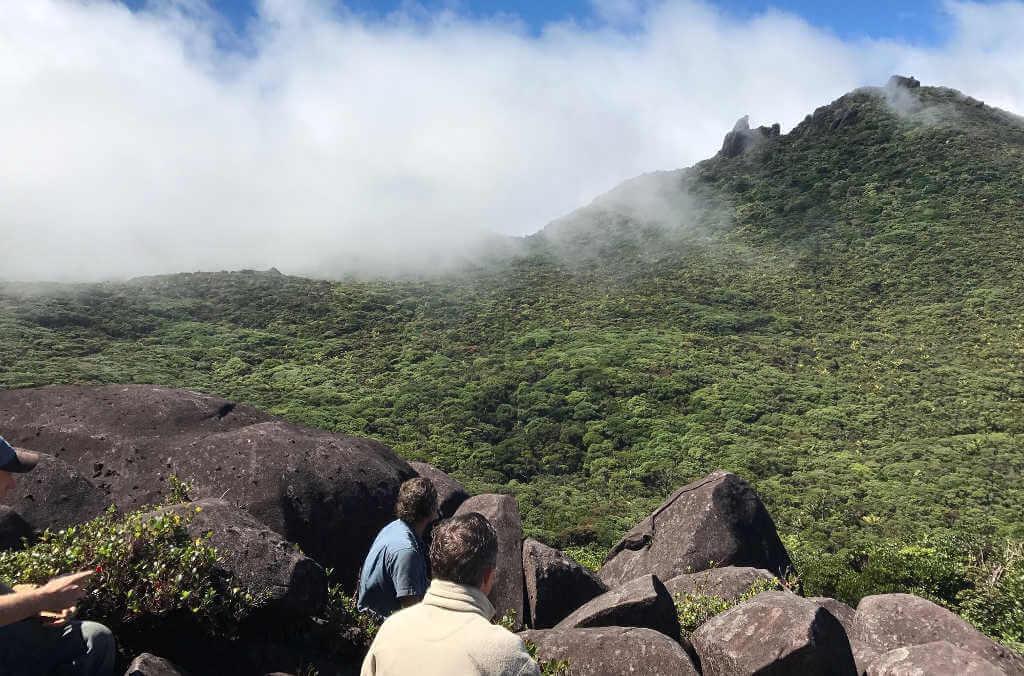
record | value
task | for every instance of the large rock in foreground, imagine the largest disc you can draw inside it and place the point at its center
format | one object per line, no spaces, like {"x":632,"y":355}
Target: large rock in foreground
{"x":503,"y":513}
{"x":14,"y":530}
{"x":932,"y":659}
{"x":643,"y":602}
{"x":285,"y":582}
{"x":151,"y":665}
{"x":774,"y":633}
{"x":729,"y":583}
{"x":555,"y":584}
{"x":55,"y":495}
{"x":330,"y":493}
{"x":613,"y":651}
{"x":716,"y":521}
{"x":450,"y":493}
{"x":889,"y":621}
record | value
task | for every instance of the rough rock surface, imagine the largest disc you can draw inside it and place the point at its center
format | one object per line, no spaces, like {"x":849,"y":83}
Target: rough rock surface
{"x":328,"y":492}
{"x":450,"y":493}
{"x":889,"y":621}
{"x":151,"y":665}
{"x":774,"y":633}
{"x":613,"y":651}
{"x":932,"y":659}
{"x":729,"y":583}
{"x":13,"y":529}
{"x":555,"y":584}
{"x":285,"y":581}
{"x":839,"y":610}
{"x":643,"y":602}
{"x":55,"y":495}
{"x":715,"y":521}
{"x":742,"y":138}
{"x":503,"y":513}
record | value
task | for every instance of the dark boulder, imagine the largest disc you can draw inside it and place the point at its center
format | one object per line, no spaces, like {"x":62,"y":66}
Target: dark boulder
{"x":889,"y":621}
{"x":839,"y":610}
{"x":932,"y":659}
{"x":450,"y":493}
{"x":729,"y":583}
{"x":151,"y":665}
{"x":14,"y":530}
{"x":503,"y":513}
{"x":716,"y":521}
{"x":55,"y":495}
{"x":555,"y":584}
{"x":903,"y":81}
{"x":284,"y":582}
{"x":330,"y":493}
{"x":774,"y":633}
{"x":643,"y":602}
{"x":613,"y":651}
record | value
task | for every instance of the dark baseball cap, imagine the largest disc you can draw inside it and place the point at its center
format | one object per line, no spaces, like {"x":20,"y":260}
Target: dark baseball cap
{"x":16,"y":460}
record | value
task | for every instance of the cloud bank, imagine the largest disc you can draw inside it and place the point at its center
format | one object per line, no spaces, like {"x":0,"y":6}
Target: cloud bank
{"x":323,"y":142}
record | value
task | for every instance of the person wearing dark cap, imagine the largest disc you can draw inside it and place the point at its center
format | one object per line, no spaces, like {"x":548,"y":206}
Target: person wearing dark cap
{"x":37,"y":634}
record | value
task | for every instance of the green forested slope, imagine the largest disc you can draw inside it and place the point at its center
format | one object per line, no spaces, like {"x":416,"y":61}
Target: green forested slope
{"x":838,"y":316}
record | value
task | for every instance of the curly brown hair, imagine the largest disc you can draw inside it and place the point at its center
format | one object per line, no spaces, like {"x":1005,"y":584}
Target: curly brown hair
{"x":417,"y":499}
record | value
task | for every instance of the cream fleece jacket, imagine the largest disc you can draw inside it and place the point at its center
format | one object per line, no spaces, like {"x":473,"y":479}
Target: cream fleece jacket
{"x":447,"y":634}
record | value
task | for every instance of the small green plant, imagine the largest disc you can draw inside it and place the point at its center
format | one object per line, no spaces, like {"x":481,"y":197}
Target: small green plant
{"x":147,"y":564}
{"x":697,"y":608}
{"x":341,"y":616}
{"x":180,"y":490}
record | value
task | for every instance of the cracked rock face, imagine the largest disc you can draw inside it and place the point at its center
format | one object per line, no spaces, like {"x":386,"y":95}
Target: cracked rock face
{"x":643,"y":602}
{"x":774,"y":633}
{"x":613,"y":651}
{"x":330,"y":493}
{"x":716,"y":521}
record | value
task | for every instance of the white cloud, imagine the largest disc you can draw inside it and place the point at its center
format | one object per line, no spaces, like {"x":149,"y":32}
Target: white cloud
{"x":133,"y":144}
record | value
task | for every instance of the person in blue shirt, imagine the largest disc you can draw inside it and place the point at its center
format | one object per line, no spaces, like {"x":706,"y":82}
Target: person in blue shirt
{"x":394,"y":574}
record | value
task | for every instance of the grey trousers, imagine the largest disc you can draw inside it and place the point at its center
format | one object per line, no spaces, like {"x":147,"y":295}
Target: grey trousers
{"x":30,"y":648}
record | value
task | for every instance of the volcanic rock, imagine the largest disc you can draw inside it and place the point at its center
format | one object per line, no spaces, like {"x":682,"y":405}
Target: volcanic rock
{"x":643,"y":602}
{"x":729,"y":583}
{"x":715,"y":521}
{"x":839,"y":610}
{"x":932,"y":659}
{"x":503,"y":513}
{"x":613,"y":651}
{"x":555,"y":584}
{"x":151,"y":665}
{"x":283,"y":581}
{"x":330,"y":493}
{"x":450,"y":493}
{"x":55,"y":495}
{"x":774,"y":633}
{"x":742,"y":138}
{"x":889,"y":621}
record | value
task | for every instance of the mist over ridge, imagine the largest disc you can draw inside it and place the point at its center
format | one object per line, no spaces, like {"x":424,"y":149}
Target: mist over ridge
{"x":331,"y":145}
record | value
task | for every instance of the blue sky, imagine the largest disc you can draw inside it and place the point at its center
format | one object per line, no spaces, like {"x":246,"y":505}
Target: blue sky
{"x":915,"y":21}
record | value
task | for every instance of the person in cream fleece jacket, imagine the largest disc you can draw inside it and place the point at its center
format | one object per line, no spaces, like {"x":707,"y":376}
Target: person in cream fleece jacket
{"x":450,"y":631}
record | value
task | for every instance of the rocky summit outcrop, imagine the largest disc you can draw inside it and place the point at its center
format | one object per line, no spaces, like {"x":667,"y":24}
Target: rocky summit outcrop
{"x":716,"y":521}
{"x":330,"y":493}
{"x":774,"y":633}
{"x":450,"y":493}
{"x":887,"y":622}
{"x":932,"y":659}
{"x":555,"y":584}
{"x":14,"y":530}
{"x":613,"y":651}
{"x":643,"y":602}
{"x":284,"y":582}
{"x":151,"y":665}
{"x":55,"y":495}
{"x":503,"y":513}
{"x":742,"y":138}
{"x":729,"y":583}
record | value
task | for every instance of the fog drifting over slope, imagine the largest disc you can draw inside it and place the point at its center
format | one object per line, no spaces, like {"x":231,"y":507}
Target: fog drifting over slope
{"x":323,"y":142}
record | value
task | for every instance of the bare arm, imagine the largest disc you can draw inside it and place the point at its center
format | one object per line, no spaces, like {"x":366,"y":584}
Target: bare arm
{"x":56,"y":595}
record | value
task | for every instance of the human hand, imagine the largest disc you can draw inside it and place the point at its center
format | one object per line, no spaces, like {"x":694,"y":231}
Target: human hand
{"x":58,"y":619}
{"x":61,"y":593}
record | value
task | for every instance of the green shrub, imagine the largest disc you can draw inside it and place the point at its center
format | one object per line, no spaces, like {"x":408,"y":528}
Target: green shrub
{"x":697,"y":608}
